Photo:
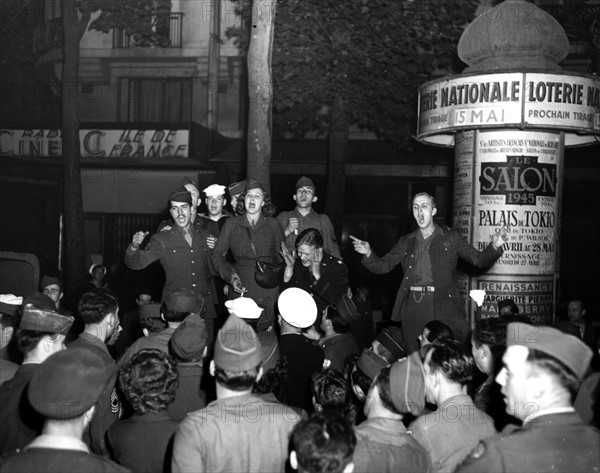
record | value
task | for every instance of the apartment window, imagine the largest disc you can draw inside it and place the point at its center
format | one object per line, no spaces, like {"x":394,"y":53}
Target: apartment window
{"x":155,"y":100}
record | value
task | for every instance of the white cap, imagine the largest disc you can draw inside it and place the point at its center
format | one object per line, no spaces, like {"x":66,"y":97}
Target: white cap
{"x":297,"y":307}
{"x":244,"y":308}
{"x":93,"y":266}
{"x":11,"y":299}
{"x":214,"y":190}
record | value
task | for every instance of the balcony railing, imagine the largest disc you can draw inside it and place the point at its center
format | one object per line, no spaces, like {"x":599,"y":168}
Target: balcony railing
{"x":167,"y":37}
{"x":47,"y":36}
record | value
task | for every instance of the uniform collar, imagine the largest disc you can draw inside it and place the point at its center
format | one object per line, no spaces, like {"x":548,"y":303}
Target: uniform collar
{"x":243,"y":220}
{"x":436,"y":231}
{"x":309,"y":214}
{"x":384,"y":423}
{"x":180,"y":230}
{"x":459,"y":399}
{"x":58,"y":442}
{"x":152,"y":417}
{"x":545,"y":412}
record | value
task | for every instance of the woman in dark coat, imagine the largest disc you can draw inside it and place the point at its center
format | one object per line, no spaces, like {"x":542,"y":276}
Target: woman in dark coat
{"x":252,"y":235}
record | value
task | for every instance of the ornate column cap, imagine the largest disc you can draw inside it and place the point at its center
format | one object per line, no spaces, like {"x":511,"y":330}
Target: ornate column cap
{"x":514,"y":34}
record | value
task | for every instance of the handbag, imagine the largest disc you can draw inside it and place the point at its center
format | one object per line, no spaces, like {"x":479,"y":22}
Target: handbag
{"x":266,"y":275}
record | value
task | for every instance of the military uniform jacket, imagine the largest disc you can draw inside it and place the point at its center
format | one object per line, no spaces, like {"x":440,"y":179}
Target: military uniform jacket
{"x":267,"y":236}
{"x":313,"y":220}
{"x":19,"y":422}
{"x":384,"y":446}
{"x":185,"y":267}
{"x":50,"y":454}
{"x":330,"y":287}
{"x":451,"y":432}
{"x":143,"y":442}
{"x":553,"y":443}
{"x":444,"y":251}
{"x":337,"y":348}
{"x":304,"y":358}
{"x":108,"y":408}
{"x":237,"y":434}
{"x":157,"y":341}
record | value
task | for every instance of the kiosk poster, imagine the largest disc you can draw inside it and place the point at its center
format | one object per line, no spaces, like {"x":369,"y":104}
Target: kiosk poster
{"x":517,"y":188}
{"x":510,"y":179}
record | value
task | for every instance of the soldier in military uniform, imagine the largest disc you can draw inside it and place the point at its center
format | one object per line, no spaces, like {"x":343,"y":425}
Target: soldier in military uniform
{"x":183,"y":252}
{"x":64,"y":392}
{"x":42,"y":332}
{"x":428,"y":257}
{"x":322,"y":275}
{"x":542,"y":369}
{"x":303,"y":216}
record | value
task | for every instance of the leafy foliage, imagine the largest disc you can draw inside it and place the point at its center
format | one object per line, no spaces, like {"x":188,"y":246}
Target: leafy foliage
{"x":18,"y":21}
{"x":146,"y":21}
{"x":27,"y":26}
{"x":372,"y":53}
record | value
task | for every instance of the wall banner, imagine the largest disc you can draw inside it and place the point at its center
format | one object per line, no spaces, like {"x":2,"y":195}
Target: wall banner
{"x":98,"y":143}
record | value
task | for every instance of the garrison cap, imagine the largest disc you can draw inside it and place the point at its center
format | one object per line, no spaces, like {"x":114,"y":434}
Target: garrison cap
{"x":50,"y":321}
{"x":347,"y":309}
{"x":181,"y":194}
{"x":252,"y":184}
{"x":236,"y":188}
{"x":237,"y":347}
{"x":149,"y":311}
{"x":391,"y":339}
{"x":68,"y":383}
{"x":370,"y":363}
{"x":306,"y":182}
{"x":39,"y":301}
{"x":407,"y":384}
{"x":189,"y":339}
{"x":49,"y":280}
{"x":568,"y":349}
{"x":185,"y":300}
{"x":187,"y":180}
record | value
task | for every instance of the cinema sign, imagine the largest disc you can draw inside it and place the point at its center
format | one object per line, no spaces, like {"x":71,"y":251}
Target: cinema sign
{"x":98,"y":143}
{"x":522,"y":100}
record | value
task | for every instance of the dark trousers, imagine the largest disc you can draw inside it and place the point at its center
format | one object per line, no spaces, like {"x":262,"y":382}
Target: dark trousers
{"x":418,"y":309}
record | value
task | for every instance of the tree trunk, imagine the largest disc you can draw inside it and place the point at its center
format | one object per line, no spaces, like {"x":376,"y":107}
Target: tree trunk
{"x":72,"y":197}
{"x":260,"y":90}
{"x":336,"y":165}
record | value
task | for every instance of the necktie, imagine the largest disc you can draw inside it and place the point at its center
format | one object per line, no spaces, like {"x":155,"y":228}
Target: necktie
{"x":187,"y":236}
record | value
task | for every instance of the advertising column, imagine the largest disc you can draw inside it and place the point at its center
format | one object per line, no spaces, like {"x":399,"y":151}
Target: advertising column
{"x":511,"y":179}
{"x":509,"y":130}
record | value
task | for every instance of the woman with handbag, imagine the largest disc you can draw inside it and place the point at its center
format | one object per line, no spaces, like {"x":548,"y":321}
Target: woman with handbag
{"x":254,"y":238}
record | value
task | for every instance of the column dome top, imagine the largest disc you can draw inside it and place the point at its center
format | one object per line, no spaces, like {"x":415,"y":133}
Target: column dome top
{"x":514,"y":34}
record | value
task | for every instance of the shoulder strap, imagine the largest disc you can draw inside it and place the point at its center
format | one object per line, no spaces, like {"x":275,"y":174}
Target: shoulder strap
{"x":249,"y":232}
